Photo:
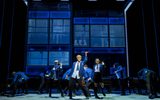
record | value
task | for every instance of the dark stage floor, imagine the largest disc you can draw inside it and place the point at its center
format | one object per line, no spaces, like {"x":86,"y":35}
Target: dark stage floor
{"x":57,"y":96}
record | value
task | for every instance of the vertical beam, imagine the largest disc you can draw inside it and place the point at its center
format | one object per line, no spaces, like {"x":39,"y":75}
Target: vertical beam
{"x":156,"y":37}
{"x":10,"y":42}
{"x":126,"y":34}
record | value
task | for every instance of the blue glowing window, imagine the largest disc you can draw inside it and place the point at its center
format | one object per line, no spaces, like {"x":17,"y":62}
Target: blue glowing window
{"x":117,"y":42}
{"x":116,"y":30}
{"x":38,"y":14}
{"x":118,"y":20}
{"x":82,"y":20}
{"x":62,"y":56}
{"x":99,"y":20}
{"x":60,"y":14}
{"x":37,"y":58}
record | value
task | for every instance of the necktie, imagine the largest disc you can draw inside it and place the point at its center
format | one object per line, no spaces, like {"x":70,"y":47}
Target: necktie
{"x":78,"y":67}
{"x":97,"y":67}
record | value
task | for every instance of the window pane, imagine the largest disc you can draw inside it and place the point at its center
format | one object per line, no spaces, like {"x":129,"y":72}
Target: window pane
{"x":99,"y":42}
{"x":81,"y":28}
{"x":117,"y":42}
{"x":60,"y":31}
{"x":37,"y":58}
{"x":81,"y":34}
{"x":99,"y":30}
{"x":37,"y":38}
{"x":31,"y":23}
{"x":81,"y":41}
{"x":116,"y":30}
{"x":59,"y":38}
{"x":41,"y":22}
{"x":30,"y":29}
{"x":62,"y":56}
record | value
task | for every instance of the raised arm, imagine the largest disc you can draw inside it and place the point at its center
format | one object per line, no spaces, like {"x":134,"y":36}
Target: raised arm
{"x":86,"y":57}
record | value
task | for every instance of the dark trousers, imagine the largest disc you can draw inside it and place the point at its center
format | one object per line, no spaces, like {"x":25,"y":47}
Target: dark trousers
{"x":41,"y":84}
{"x":98,"y":83}
{"x":58,"y":87}
{"x":19,"y":85}
{"x":81,"y":83}
{"x":151,"y":82}
{"x":121,"y":85}
{"x":44,"y":84}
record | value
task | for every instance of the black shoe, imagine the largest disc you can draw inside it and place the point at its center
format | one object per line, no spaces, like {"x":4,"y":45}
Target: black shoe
{"x":98,"y":97}
{"x":104,"y":94}
{"x":151,"y":97}
{"x":70,"y":98}
{"x":39,"y":92}
{"x":123,"y":94}
{"x":62,"y":95}
{"x":87,"y":97}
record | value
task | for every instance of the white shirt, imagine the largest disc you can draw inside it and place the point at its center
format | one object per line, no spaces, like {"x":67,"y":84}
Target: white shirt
{"x":97,"y":68}
{"x":76,"y":72}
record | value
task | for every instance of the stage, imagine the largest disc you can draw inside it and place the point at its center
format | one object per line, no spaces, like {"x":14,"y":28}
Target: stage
{"x":57,"y":96}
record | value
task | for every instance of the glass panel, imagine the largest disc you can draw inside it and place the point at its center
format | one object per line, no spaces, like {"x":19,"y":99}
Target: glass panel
{"x":99,"y":30}
{"x":37,"y":38}
{"x":81,"y":34}
{"x":116,"y":30}
{"x":81,"y":28}
{"x":60,"y":31}
{"x":99,"y":42}
{"x":30,"y":29}
{"x":117,"y":42}
{"x":62,"y":56}
{"x":41,"y":22}
{"x":81,"y":41}
{"x":31,"y":23}
{"x":37,"y":58}
{"x":59,"y":38}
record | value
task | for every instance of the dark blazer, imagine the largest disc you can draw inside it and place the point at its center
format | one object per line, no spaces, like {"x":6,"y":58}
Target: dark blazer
{"x":101,"y":67}
{"x":19,"y":77}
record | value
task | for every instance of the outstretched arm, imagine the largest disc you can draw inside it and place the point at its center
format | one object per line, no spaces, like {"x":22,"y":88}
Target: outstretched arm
{"x":119,"y":69}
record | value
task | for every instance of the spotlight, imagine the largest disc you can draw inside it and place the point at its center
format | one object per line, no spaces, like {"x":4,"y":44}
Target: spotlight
{"x":120,"y":0}
{"x":92,"y":0}
{"x":64,"y":0}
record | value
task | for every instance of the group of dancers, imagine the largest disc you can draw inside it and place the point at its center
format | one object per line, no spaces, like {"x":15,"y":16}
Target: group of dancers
{"x":82,"y":75}
{"x":79,"y":74}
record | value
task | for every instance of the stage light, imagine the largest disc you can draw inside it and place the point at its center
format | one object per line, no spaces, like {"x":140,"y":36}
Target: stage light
{"x":37,"y":0}
{"x":64,"y":0}
{"x":120,"y":0}
{"x":26,"y":2}
{"x":92,"y":0}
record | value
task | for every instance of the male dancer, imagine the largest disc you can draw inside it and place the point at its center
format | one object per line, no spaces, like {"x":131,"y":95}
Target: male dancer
{"x":77,"y":74}
{"x":56,"y":74}
{"x":119,"y":72}
{"x":89,"y":80}
{"x":98,"y":70}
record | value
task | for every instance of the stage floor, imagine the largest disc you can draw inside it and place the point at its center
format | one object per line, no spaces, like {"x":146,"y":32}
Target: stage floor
{"x":58,"y":97}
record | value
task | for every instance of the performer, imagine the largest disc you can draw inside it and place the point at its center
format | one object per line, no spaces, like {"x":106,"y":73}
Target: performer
{"x":44,"y":82}
{"x":89,"y":75}
{"x":89,"y":80}
{"x":56,"y":75}
{"x":66,"y":79}
{"x":77,"y":74}
{"x":119,"y":72}
{"x":151,"y":81}
{"x":98,"y":70}
{"x":19,"y":80}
